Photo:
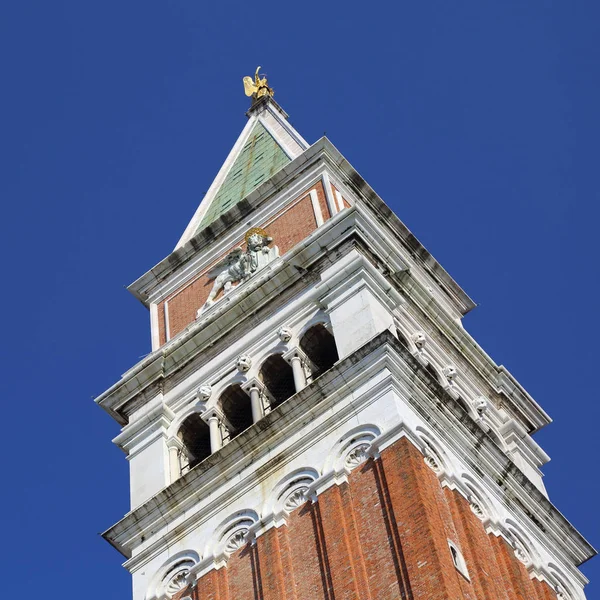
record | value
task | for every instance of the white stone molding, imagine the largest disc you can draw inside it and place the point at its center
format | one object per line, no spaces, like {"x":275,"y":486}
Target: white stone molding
{"x":288,"y":495}
{"x":520,"y":552}
{"x":521,"y":544}
{"x":433,"y":455}
{"x":350,"y":451}
{"x":356,"y":308}
{"x":458,"y":559}
{"x":340,"y":200}
{"x":314,"y":199}
{"x":359,"y":454}
{"x":173,"y":576}
{"x":495,"y":435}
{"x":320,"y":317}
{"x":140,"y":433}
{"x":243,"y":363}
{"x":561,"y":584}
{"x":561,"y":593}
{"x":167,"y":321}
{"x":524,"y":451}
{"x":231,"y":535}
{"x":285,"y":334}
{"x":329,"y":194}
{"x":476,"y":508}
{"x":154,"y":328}
{"x":432,"y":461}
{"x":295,"y":498}
{"x":479,"y":502}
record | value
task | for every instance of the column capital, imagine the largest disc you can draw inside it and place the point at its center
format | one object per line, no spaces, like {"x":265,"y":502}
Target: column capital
{"x":212,"y":413}
{"x":253,"y":383}
{"x":296,"y":352}
{"x":175,"y":442}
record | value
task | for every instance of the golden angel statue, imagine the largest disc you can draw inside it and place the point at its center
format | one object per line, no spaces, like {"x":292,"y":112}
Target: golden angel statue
{"x":257,"y":88}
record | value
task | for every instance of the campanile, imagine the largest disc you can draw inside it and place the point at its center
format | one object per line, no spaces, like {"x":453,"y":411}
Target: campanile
{"x":313,"y":421}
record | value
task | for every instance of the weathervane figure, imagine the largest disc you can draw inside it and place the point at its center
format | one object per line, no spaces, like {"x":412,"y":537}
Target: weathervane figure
{"x":257,"y":88}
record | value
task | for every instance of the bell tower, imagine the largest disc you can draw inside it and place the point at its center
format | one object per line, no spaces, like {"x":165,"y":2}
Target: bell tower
{"x":313,"y":421}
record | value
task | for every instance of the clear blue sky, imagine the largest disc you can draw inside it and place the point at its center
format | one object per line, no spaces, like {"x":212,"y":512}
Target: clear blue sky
{"x":476,"y":121}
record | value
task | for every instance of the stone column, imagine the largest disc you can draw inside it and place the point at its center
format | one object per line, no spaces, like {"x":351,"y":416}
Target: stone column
{"x":256,"y":402}
{"x":214,"y":418}
{"x":297,"y":359}
{"x":255,"y":389}
{"x":215,"y":433}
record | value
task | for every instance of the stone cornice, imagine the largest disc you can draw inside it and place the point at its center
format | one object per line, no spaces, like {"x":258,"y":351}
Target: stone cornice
{"x":288,"y":270}
{"x":321,"y":151}
{"x":384,"y":354}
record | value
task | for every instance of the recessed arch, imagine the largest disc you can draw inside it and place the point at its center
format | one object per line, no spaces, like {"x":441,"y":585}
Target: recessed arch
{"x":231,"y":535}
{"x":318,"y":344}
{"x":351,"y":449}
{"x":402,"y":338}
{"x":290,"y":492}
{"x":431,"y":449}
{"x":435,"y":373}
{"x":278,"y":378}
{"x":195,"y":437}
{"x":171,"y":578}
{"x":562,"y":585}
{"x":236,"y":407}
{"x":493,"y":433}
{"x":521,"y":543}
{"x":481,"y":497}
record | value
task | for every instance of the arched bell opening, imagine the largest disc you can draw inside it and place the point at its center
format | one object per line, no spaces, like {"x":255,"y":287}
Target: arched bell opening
{"x":195,"y":436}
{"x":434,"y":373}
{"x":236,"y":407}
{"x":278,"y":378}
{"x":401,"y":337}
{"x":319,"y":346}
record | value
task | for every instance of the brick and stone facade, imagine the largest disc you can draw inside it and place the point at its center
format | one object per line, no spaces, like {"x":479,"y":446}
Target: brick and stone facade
{"x":325,"y":428}
{"x":382,"y":535}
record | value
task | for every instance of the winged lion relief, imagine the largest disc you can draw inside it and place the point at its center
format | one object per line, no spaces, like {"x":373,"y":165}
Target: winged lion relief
{"x":239,"y":265}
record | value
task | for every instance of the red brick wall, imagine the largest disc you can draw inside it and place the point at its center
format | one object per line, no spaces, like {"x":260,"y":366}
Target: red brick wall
{"x":290,"y":226}
{"x":383,"y":536}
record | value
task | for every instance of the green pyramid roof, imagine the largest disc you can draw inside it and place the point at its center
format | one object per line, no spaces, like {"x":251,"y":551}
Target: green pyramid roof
{"x":260,"y":158}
